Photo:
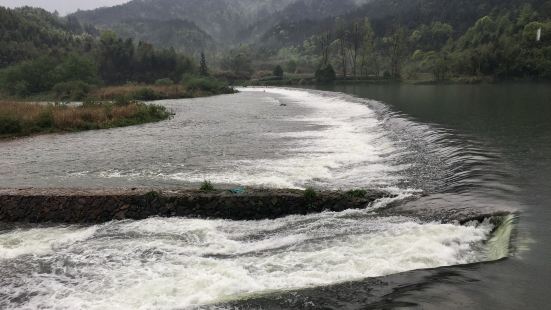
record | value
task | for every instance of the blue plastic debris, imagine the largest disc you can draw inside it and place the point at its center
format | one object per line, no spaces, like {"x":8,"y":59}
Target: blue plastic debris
{"x":237,"y":191}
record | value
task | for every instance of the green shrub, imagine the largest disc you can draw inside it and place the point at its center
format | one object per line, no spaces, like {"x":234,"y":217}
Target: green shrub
{"x":292,"y":66}
{"x":152,"y":195}
{"x":231,"y":77}
{"x":72,"y":91}
{"x":145,"y":94}
{"x":206,"y":84}
{"x":9,"y":125}
{"x":43,"y":73}
{"x":207,"y":186}
{"x":310,"y":194}
{"x":165,"y":81}
{"x":122,"y":100}
{"x":45,"y":119}
{"x":356,"y":193}
{"x":74,"y":67}
{"x":278,"y":71}
{"x":326,"y":74}
{"x":270,"y":78}
{"x":20,"y":88}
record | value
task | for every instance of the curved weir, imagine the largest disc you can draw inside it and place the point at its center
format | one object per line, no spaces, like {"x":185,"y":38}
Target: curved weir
{"x":262,"y":137}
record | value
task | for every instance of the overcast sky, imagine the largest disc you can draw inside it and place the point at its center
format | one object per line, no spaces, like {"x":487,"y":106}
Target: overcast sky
{"x":62,"y":6}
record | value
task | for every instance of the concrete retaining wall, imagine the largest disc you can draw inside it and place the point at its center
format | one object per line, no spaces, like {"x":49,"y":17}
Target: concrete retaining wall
{"x":97,"y":206}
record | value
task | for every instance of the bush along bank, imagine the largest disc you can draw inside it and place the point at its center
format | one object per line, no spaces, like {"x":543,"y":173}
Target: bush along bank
{"x":193,"y":87}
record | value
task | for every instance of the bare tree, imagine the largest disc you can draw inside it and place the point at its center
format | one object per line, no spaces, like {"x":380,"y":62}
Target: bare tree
{"x":341,"y":34}
{"x":324,"y":42}
{"x":397,"y":51}
{"x":368,"y":47}
{"x":356,"y":44}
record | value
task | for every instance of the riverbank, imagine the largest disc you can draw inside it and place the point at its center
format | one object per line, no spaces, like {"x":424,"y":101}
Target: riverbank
{"x":97,"y":206}
{"x":194,"y":87}
{"x":22,"y":119}
{"x":304,"y":80}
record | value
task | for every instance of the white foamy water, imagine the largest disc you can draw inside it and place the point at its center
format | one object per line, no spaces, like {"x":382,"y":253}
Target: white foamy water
{"x":39,"y":241}
{"x":333,"y":142}
{"x":178,"y":263}
{"x":344,"y":146}
{"x":319,"y":139}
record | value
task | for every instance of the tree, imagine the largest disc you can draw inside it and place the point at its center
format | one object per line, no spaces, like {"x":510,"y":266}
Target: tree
{"x":203,"y":69}
{"x":397,"y":42}
{"x":238,"y":61}
{"x":115,"y":58}
{"x":77,"y":68}
{"x":324,"y":43}
{"x":326,"y":74}
{"x":292,"y":66}
{"x":342,"y":44}
{"x":278,"y":71}
{"x":368,"y":47}
{"x":356,"y":44}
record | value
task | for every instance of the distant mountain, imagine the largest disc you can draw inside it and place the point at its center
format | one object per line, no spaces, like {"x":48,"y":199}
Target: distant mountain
{"x":228,"y":22}
{"x":221,"y":19}
{"x":182,"y":35}
{"x":299,"y":12}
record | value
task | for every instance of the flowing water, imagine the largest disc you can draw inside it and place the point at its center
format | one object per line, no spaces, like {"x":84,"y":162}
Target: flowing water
{"x":421,"y":143}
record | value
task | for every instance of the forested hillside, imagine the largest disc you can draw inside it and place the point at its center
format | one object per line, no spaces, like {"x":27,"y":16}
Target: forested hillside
{"x":381,"y":39}
{"x":405,"y":38}
{"x":41,"y":52}
{"x":27,"y":33}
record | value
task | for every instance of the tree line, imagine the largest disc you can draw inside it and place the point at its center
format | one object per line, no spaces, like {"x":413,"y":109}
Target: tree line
{"x":62,"y":53}
{"x":512,"y":42}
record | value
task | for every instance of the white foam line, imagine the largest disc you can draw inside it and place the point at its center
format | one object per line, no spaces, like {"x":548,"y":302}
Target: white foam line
{"x":351,"y":136}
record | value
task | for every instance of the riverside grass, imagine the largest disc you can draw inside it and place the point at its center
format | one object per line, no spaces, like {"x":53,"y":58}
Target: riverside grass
{"x":22,"y":118}
{"x":191,"y":87}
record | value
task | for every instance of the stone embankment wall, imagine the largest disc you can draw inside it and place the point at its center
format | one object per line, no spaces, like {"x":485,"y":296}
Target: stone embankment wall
{"x":97,"y":206}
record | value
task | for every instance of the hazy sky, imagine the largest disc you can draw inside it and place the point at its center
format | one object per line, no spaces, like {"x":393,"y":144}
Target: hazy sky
{"x":62,"y":6}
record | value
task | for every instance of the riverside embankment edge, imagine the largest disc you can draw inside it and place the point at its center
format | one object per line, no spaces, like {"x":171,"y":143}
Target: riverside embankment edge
{"x":73,"y":206}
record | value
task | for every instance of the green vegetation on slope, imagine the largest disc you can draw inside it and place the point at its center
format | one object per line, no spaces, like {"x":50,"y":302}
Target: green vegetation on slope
{"x":64,"y":62}
{"x":420,"y":39}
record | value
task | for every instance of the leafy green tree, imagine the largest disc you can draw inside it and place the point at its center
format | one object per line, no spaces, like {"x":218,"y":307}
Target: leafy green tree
{"x":326,"y":74}
{"x":342,"y":44}
{"x":397,"y":51}
{"x":77,"y":68}
{"x":292,"y":66}
{"x":238,"y":61}
{"x":29,"y":77}
{"x":278,"y":71}
{"x":115,"y":58}
{"x":368,"y":57}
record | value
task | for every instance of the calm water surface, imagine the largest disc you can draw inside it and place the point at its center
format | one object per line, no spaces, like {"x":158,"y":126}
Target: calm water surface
{"x":440,"y":149}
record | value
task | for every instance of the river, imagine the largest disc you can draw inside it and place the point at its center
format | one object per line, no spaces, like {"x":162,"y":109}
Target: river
{"x":473,"y":148}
